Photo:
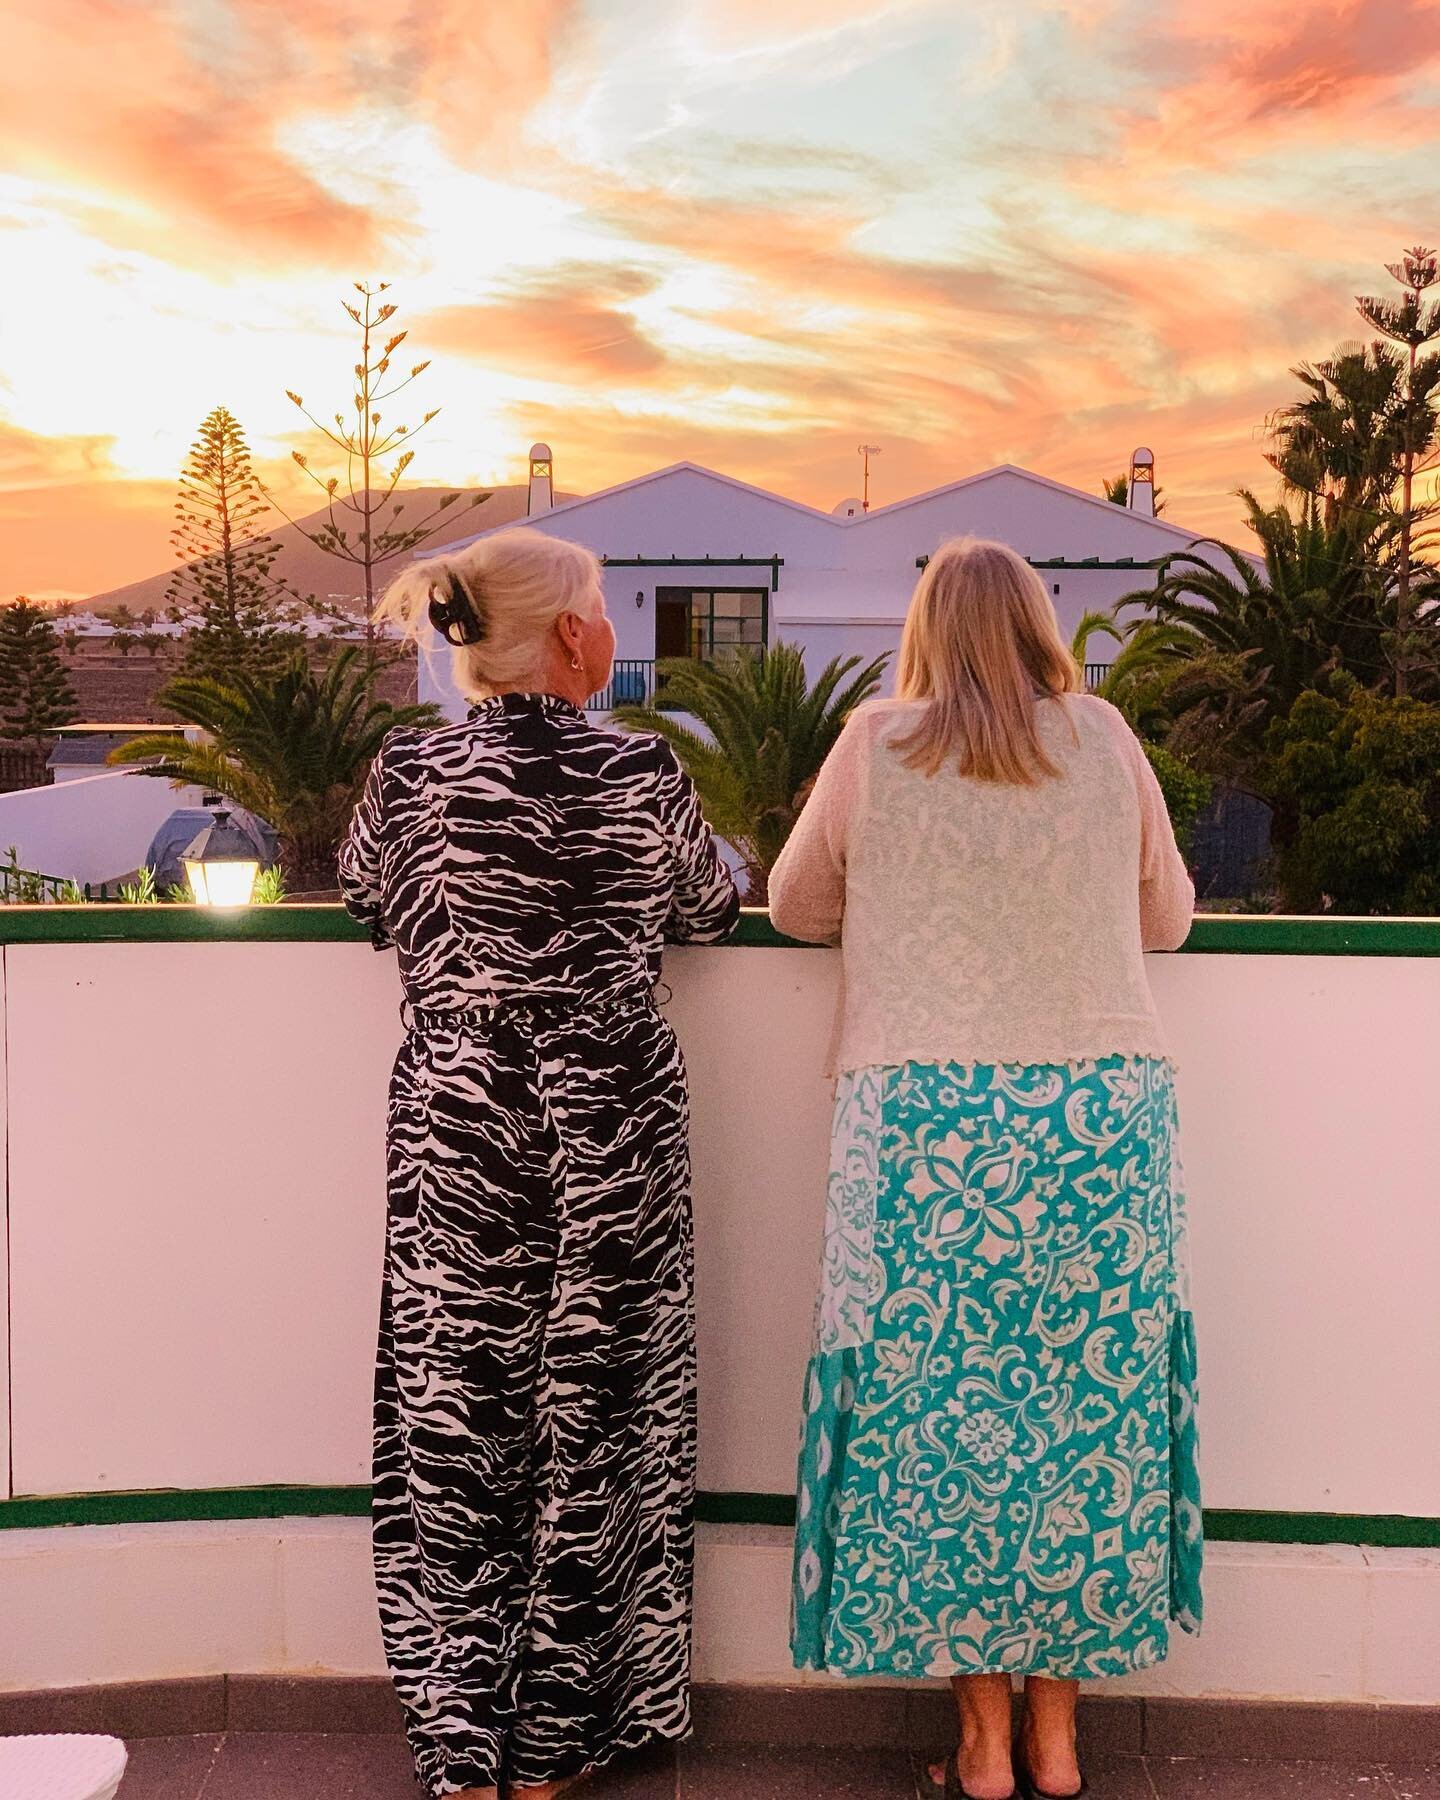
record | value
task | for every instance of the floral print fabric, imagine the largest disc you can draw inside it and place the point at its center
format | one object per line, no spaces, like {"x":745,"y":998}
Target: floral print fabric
{"x":998,"y":1462}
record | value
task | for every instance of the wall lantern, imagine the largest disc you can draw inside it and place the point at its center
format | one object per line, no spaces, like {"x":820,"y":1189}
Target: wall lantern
{"x":221,"y":864}
{"x":639,"y":596}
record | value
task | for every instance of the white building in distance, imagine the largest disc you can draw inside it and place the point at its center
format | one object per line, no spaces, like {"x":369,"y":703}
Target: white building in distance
{"x":697,"y":562}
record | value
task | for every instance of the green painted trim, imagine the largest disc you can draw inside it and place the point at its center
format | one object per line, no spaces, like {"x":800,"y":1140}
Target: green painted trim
{"x":745,"y":1509}
{"x":170,"y":924}
{"x":1224,"y":934}
{"x":755,"y":932}
{"x":1390,"y":1531}
{"x":162,"y":1505}
{"x":1259,"y":934}
{"x":158,"y":1506}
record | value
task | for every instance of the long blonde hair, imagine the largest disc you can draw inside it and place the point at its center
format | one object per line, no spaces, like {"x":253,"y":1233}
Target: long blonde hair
{"x":981,"y":644}
{"x":513,"y":586}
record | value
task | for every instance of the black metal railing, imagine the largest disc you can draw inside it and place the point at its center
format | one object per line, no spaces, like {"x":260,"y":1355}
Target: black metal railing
{"x":632,"y":683}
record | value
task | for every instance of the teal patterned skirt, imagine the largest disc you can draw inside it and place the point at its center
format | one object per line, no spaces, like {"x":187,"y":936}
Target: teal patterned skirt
{"x":998,"y":1461}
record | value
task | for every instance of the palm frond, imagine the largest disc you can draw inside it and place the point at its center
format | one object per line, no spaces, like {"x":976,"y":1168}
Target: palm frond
{"x":760,"y":732}
{"x":291,"y":746}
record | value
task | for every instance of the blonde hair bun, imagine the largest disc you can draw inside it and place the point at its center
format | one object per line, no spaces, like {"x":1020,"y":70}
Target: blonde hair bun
{"x":495,"y":601}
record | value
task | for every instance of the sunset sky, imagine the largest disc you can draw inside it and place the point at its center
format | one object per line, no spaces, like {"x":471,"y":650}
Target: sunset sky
{"x":745,"y":232}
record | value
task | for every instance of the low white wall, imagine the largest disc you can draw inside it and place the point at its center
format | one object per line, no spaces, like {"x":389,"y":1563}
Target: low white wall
{"x":94,"y":828}
{"x":296,"y":1596}
{"x":195,"y":1235}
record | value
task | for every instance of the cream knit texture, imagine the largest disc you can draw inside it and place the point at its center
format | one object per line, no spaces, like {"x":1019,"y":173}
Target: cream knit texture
{"x":982,"y":921}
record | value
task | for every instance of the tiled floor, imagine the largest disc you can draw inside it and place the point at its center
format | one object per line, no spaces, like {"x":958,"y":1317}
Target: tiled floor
{"x":362,"y":1766}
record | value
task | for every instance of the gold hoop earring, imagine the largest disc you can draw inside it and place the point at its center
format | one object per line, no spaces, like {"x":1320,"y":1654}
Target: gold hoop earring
{"x":575,"y":662}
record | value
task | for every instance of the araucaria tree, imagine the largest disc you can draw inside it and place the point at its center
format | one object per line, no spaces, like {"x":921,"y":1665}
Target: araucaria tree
{"x":226,"y":559}
{"x":36,"y":697}
{"x":364,"y":523}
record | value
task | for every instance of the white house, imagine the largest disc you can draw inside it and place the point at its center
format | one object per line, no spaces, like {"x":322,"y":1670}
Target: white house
{"x":696,"y":560}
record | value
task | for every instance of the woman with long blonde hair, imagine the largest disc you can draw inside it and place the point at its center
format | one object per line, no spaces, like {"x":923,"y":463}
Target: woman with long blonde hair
{"x":997,"y":1474}
{"x":534,"y":1384}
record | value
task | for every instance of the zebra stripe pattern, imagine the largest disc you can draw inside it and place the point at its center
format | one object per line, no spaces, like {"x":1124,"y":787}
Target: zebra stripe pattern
{"x":535,"y":1385}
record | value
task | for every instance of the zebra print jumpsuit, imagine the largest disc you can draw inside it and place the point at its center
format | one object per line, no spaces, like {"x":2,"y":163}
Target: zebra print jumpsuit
{"x":535,"y":1395}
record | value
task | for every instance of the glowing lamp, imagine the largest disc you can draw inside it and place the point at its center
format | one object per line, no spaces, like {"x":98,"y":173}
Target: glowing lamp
{"x":221,"y":864}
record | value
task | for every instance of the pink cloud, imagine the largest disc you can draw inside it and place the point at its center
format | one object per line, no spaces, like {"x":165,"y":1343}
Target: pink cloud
{"x":195,"y":128}
{"x":1237,"y":78}
{"x":571,"y":325}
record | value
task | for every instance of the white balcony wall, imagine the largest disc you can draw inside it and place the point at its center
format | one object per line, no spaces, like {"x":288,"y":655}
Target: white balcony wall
{"x":195,"y":1229}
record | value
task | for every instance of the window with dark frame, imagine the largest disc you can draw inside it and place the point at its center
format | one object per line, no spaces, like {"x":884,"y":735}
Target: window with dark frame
{"x":710,"y":623}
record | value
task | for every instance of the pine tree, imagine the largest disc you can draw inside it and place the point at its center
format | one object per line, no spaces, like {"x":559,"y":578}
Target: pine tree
{"x":36,"y":697}
{"x":226,"y":559}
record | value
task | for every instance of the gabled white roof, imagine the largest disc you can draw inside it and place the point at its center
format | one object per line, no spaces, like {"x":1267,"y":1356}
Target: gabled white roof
{"x":839,"y":522}
{"x":567,"y":507}
{"x":1044,"y":481}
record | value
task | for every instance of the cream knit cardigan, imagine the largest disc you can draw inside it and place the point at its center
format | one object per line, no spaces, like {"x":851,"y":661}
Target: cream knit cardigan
{"x":982,"y":921}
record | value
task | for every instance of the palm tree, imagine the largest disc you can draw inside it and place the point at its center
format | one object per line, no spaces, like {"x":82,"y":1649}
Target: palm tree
{"x":1252,"y":640}
{"x":1342,"y":440}
{"x":1116,"y":489}
{"x":766,"y":734}
{"x":293,"y":748}
{"x":1152,"y":657}
{"x":1367,"y":427}
{"x":1323,"y":599}
{"x":1411,"y":323}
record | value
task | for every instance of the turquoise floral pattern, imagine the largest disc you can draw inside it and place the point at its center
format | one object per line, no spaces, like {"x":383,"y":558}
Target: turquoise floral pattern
{"x":998,"y":1463}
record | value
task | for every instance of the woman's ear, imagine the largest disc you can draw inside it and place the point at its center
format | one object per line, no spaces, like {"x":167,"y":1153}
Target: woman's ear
{"x":570,"y":629}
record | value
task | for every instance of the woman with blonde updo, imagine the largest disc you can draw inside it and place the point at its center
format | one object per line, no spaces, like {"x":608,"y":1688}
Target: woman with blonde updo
{"x":535,"y":1393}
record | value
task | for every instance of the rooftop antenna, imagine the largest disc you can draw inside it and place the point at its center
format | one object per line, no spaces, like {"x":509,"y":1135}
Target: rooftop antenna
{"x":865,"y":452}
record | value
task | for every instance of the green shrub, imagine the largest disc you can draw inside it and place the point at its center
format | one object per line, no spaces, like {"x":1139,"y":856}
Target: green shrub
{"x":1186,"y":792}
{"x":1361,"y":772}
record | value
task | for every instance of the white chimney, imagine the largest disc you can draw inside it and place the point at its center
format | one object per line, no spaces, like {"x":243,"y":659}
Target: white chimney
{"x":1140,"y":491}
{"x":542,"y":487}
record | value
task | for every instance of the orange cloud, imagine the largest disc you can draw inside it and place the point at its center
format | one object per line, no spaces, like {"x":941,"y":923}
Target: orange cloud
{"x":191,"y":115}
{"x":29,"y":461}
{"x":570,"y":326}
{"x":61,"y":538}
{"x":1237,"y":78}
{"x":124,"y":111}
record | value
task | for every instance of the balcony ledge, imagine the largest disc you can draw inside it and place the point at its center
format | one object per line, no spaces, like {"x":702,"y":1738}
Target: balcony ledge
{"x":1224,"y":934}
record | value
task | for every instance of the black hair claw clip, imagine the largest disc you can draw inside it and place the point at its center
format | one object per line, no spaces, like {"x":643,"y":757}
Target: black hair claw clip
{"x":455,"y":615}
